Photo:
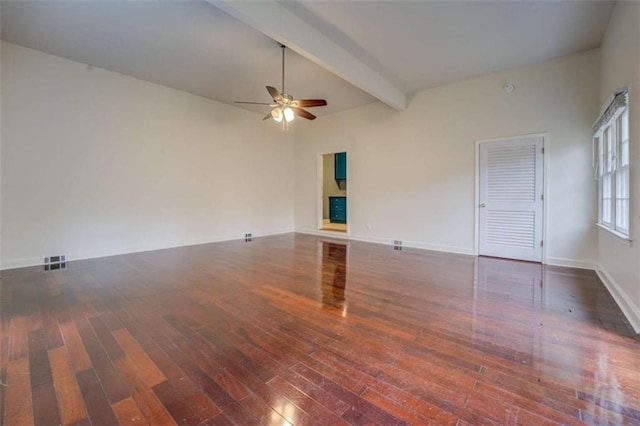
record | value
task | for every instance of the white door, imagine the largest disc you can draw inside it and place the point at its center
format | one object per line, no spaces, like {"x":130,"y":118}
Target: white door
{"x":511,"y":199}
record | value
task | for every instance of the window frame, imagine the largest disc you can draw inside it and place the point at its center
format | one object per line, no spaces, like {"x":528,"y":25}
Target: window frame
{"x":609,"y":169}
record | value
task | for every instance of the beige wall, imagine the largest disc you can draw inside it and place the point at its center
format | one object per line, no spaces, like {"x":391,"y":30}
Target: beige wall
{"x":95,"y":163}
{"x":412,"y":173}
{"x":330,"y":187}
{"x":619,"y":261}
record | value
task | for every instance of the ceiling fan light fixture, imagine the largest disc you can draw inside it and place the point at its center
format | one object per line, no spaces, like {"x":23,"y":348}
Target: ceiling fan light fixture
{"x":285,"y":107}
{"x":288,"y":114}
{"x":277,"y":115}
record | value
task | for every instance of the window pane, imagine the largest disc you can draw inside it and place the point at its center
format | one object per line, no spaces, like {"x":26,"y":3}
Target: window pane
{"x":622,"y":199}
{"x":606,"y":211}
{"x":624,"y":138}
{"x":606,"y":186}
{"x":622,"y":183}
{"x":610,"y":149}
{"x":601,"y":152}
{"x":606,"y":198}
{"x":622,"y":215}
{"x":624,"y":125}
{"x":624,"y":153}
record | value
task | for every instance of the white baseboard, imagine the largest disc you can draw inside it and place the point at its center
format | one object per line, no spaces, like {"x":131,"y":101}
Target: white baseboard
{"x":92,"y":254}
{"x":386,"y":241}
{"x":21,"y":263}
{"x":571,"y":263}
{"x":630,"y":311}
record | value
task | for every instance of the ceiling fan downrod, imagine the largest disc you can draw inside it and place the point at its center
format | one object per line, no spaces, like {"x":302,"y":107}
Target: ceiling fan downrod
{"x":283,"y":47}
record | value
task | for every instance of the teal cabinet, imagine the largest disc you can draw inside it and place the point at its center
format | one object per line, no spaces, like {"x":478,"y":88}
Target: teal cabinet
{"x":341,"y":166}
{"x":338,"y":209}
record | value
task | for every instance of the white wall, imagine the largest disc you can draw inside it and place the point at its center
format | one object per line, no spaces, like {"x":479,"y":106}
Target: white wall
{"x":96,"y":163}
{"x":619,"y":261}
{"x":412,"y":173}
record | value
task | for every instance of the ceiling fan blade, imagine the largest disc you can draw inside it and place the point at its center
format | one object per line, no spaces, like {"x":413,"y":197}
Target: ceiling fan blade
{"x":302,"y":113}
{"x":251,"y":103}
{"x":266,"y":117}
{"x":277,"y":96}
{"x":308,"y":103}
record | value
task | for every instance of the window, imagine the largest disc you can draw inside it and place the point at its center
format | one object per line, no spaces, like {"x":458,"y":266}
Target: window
{"x":612,"y":165}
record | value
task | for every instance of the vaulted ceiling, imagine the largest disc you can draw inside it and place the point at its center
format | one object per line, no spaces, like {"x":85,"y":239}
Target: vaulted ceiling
{"x":348,"y":52}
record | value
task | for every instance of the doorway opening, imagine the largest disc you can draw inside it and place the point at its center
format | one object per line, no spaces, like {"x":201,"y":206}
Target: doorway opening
{"x":333,"y":180}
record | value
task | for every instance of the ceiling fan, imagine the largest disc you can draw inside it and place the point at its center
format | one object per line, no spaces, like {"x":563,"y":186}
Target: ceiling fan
{"x":284,"y":107}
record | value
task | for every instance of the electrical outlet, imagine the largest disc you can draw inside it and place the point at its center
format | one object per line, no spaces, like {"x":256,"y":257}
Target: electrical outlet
{"x":248,"y":236}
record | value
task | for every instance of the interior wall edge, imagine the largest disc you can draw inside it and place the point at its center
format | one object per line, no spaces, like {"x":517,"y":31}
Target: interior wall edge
{"x":94,"y":254}
{"x":571,"y":263}
{"x":387,"y":241}
{"x":630,"y":311}
{"x":554,"y":261}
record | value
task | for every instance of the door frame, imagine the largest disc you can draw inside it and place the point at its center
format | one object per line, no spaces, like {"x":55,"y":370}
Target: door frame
{"x":545,"y":192}
{"x":319,"y":191}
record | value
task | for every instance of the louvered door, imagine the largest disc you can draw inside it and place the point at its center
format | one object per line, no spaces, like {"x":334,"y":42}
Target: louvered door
{"x":510,"y":209}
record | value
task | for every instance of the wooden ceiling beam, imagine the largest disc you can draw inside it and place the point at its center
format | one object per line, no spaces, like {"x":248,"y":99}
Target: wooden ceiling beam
{"x":277,"y":22}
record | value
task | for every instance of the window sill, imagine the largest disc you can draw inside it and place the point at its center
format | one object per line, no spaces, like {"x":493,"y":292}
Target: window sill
{"x":616,"y":234}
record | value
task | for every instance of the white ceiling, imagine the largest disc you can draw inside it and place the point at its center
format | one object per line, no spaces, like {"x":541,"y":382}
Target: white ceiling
{"x":385,"y":48}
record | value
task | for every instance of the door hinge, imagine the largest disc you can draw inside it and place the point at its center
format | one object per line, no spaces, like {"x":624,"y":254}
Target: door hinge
{"x":543,"y":149}
{"x":542,"y":197}
{"x":542,"y":243}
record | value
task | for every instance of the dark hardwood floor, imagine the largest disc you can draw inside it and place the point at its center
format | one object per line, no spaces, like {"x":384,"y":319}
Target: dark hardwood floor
{"x":297,"y":329}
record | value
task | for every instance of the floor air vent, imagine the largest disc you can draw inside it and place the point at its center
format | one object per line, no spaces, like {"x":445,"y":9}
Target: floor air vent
{"x":54,"y":263}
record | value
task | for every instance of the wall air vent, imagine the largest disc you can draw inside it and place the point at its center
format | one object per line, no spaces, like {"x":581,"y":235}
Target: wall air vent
{"x":54,"y":263}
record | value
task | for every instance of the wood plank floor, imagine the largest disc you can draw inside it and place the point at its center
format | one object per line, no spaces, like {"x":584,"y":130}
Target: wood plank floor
{"x":293,"y":329}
